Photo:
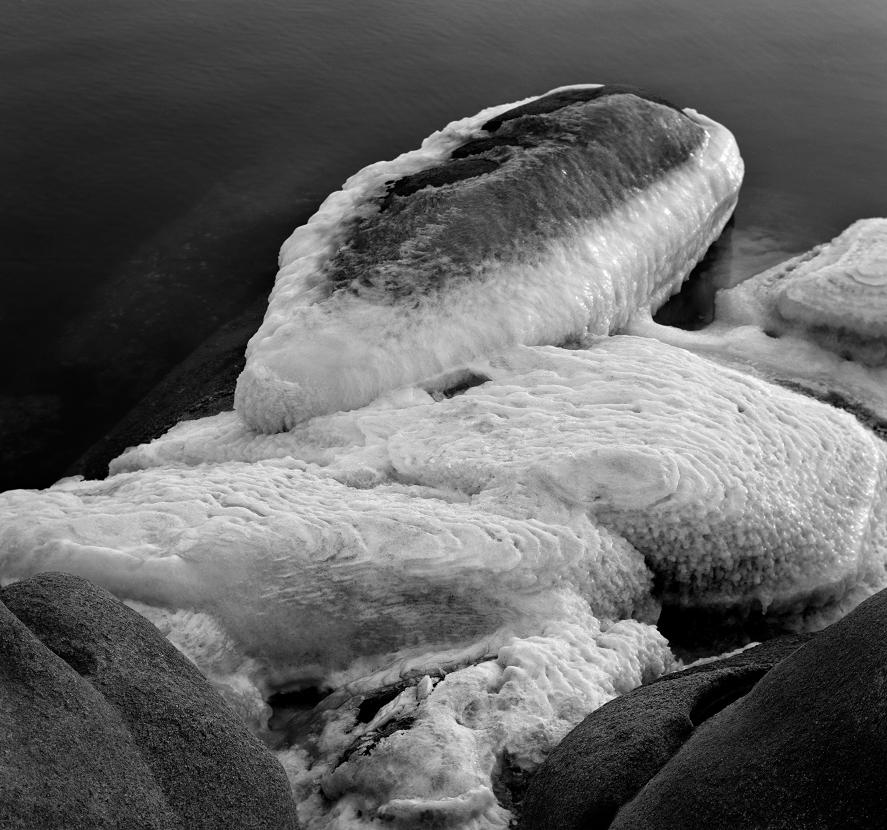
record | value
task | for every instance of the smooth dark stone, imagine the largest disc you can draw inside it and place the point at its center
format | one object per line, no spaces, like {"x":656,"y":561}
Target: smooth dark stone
{"x":605,"y":760}
{"x":804,"y":749}
{"x":67,"y":758}
{"x":211,"y":772}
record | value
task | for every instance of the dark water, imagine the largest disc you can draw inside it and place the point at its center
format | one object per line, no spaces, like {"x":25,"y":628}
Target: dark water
{"x":156,"y":154}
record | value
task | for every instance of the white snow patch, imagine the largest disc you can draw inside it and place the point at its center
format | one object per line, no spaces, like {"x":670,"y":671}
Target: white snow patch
{"x":438,"y":750}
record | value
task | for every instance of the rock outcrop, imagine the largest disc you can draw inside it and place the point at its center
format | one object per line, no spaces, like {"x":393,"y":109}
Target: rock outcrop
{"x":105,"y":724}
{"x":605,"y":760}
{"x":803,"y":749}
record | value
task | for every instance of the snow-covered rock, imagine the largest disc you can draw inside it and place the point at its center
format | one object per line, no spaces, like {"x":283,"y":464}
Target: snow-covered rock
{"x":817,"y":321}
{"x":547,"y":223}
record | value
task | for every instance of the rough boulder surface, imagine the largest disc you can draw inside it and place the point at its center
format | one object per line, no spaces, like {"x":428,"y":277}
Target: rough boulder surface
{"x":804,"y":748}
{"x":105,"y":724}
{"x":605,"y":760}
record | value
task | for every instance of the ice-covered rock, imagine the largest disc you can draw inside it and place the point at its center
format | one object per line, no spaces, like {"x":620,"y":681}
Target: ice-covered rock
{"x":735,"y":490}
{"x":449,"y":750}
{"x":545,"y":223}
{"x":836,"y":295}
{"x":817,"y":321}
{"x":308,"y":575}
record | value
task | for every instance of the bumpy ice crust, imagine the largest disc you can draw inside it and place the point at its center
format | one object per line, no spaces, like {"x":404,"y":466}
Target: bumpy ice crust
{"x":446,"y":750}
{"x":835,"y":295}
{"x":735,"y":490}
{"x":513,"y":226}
{"x":816,"y":322}
{"x":309,"y":575}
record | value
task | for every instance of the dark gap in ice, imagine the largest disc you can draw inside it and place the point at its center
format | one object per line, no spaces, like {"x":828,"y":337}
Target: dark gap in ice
{"x":453,"y":171}
{"x":477,"y":146}
{"x":373,"y":704}
{"x":693,"y":307}
{"x":510,"y":783}
{"x":724,"y":691}
{"x":299,"y":699}
{"x":467,"y":381}
{"x":295,"y":709}
{"x":558,"y":100}
{"x":703,"y":632}
{"x":366,"y":744}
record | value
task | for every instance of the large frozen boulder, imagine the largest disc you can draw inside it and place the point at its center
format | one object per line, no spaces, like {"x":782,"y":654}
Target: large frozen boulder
{"x":548,"y":222}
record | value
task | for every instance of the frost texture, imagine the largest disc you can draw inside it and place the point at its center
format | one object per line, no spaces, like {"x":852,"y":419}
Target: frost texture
{"x":441,"y":751}
{"x":308,"y":575}
{"x":836,"y":295}
{"x":487,"y":540}
{"x":459,"y":573}
{"x":733,"y":489}
{"x":323,"y":348}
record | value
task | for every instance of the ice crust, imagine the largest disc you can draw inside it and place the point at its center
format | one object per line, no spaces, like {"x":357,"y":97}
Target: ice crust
{"x":318,"y":352}
{"x":489,"y":539}
{"x":493,"y":539}
{"x":734,"y":490}
{"x":817,"y":321}
{"x":308,"y":575}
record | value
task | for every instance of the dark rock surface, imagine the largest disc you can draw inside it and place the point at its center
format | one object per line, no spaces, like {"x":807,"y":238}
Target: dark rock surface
{"x":202,"y":385}
{"x":51,"y":722}
{"x":605,"y":760}
{"x":107,"y":725}
{"x":804,"y":749}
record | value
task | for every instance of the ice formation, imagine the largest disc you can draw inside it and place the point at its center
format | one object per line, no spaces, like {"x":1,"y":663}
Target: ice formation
{"x":733,"y":489}
{"x":479,"y":731}
{"x":837,"y":295}
{"x":817,"y":321}
{"x":308,"y":575}
{"x":545,"y":223}
{"x":490,"y":540}
{"x":458,"y":537}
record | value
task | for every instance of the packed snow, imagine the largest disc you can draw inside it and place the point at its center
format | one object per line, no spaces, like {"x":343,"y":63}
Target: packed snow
{"x":446,"y":750}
